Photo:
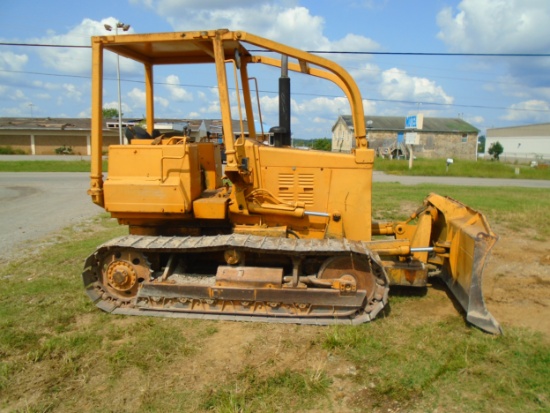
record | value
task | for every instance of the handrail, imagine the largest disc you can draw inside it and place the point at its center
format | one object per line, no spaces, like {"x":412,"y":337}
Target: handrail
{"x":184,"y":143}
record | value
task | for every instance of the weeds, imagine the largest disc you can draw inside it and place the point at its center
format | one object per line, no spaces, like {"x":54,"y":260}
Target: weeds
{"x":417,"y":366}
{"x":283,"y":392}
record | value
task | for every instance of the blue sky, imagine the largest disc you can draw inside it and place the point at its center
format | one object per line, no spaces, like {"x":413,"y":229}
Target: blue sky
{"x":485,"y":91}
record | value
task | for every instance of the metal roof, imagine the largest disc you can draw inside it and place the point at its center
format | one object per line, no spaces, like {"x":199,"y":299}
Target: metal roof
{"x":47,"y":123}
{"x":532,"y":130}
{"x":212,"y":125}
{"x":397,"y":123}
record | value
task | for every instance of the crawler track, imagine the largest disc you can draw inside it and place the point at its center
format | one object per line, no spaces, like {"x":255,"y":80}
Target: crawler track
{"x":138,"y":275}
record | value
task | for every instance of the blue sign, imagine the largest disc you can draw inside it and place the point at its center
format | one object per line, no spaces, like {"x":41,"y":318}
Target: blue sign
{"x":410,"y":122}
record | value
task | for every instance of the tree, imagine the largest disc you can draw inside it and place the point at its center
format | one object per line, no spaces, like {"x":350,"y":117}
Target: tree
{"x":110,"y":113}
{"x":495,"y":150}
{"x":481,"y":144}
{"x":323,"y":144}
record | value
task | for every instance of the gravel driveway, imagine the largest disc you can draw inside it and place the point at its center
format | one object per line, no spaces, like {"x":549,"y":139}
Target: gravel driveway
{"x":36,"y":204}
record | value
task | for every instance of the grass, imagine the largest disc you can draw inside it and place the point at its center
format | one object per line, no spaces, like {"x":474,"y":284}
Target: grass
{"x":464,"y":168}
{"x":60,"y":353}
{"x":283,"y":392}
{"x":421,"y":167}
{"x":517,"y":209}
{"x":47,"y":166}
{"x":449,"y":367}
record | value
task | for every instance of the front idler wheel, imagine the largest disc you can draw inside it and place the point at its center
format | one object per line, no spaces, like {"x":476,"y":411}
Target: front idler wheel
{"x":123,"y":272}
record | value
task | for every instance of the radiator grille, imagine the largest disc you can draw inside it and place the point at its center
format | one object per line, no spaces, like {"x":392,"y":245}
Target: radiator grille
{"x":297,"y":187}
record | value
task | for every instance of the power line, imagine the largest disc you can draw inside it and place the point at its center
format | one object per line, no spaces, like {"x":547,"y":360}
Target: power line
{"x":330,"y":51}
{"x":406,"y":102}
{"x":45,"y":45}
{"x":434,"y":54}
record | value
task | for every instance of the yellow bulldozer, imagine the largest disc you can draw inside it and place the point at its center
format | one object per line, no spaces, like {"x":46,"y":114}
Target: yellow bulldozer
{"x":276,"y":234}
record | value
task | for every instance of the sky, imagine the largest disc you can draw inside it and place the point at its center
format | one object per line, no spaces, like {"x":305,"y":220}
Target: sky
{"x":486,"y":91}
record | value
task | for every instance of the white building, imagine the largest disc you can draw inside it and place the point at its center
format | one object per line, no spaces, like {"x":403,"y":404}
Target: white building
{"x":521,"y":143}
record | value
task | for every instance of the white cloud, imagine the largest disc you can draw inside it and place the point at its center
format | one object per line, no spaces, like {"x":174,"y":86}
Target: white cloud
{"x":476,"y":120}
{"x":78,"y":60}
{"x":529,"y":111}
{"x":369,"y":107}
{"x":86,"y":113}
{"x":162,"y":101}
{"x":136,"y":103}
{"x":496,"y":26}
{"x":213,"y":108}
{"x":353,"y":42}
{"x":16,"y":111}
{"x":12,"y":62}
{"x":366,"y":72}
{"x":324,"y":121}
{"x":177,"y":92}
{"x":111,"y":105}
{"x":18,"y":95}
{"x":283,"y":21}
{"x":72,"y":91}
{"x":45,"y":85}
{"x":323,"y":105}
{"x":398,"y":85}
{"x":43,"y":96}
{"x":269,"y":104}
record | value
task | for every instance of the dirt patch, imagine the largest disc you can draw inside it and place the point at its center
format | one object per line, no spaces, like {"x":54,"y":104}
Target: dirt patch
{"x":516,"y":287}
{"x":517,"y":282}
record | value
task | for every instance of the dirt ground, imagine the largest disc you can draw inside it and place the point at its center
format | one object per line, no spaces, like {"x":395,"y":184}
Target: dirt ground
{"x":516,"y":283}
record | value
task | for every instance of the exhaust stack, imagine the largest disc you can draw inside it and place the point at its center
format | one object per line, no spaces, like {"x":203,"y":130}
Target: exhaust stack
{"x":281,"y":133}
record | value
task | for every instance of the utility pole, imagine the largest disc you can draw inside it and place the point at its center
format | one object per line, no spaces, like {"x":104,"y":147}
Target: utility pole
{"x":124,"y":28}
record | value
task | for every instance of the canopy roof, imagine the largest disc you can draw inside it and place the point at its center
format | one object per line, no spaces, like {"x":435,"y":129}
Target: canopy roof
{"x":172,"y":47}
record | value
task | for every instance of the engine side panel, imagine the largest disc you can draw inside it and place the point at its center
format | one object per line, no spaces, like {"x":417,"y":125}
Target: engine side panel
{"x":152,"y":179}
{"x":326,"y":182}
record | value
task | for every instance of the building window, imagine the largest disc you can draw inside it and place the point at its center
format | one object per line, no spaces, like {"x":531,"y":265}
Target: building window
{"x":464,"y":138}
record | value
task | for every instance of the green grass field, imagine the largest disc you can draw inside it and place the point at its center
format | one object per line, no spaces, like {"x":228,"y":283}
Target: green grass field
{"x":47,"y":166}
{"x":60,"y":353}
{"x":471,"y":169}
{"x":421,"y":167}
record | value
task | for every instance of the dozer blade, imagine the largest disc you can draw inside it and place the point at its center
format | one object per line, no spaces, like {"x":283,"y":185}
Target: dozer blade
{"x":467,"y":236}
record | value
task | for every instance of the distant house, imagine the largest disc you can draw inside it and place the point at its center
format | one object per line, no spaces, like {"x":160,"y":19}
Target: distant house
{"x":522,"y":143}
{"x":42,"y":136}
{"x":439,"y":137}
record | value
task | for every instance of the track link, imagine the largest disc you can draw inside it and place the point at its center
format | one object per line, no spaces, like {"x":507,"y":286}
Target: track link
{"x":155,"y":293}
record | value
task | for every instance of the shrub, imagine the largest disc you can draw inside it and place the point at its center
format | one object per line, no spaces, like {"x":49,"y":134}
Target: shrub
{"x":8,"y":150}
{"x":495,"y":150}
{"x":64,"y":150}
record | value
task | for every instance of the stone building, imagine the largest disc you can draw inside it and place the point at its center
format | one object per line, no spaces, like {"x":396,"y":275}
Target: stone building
{"x":438,"y":138}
